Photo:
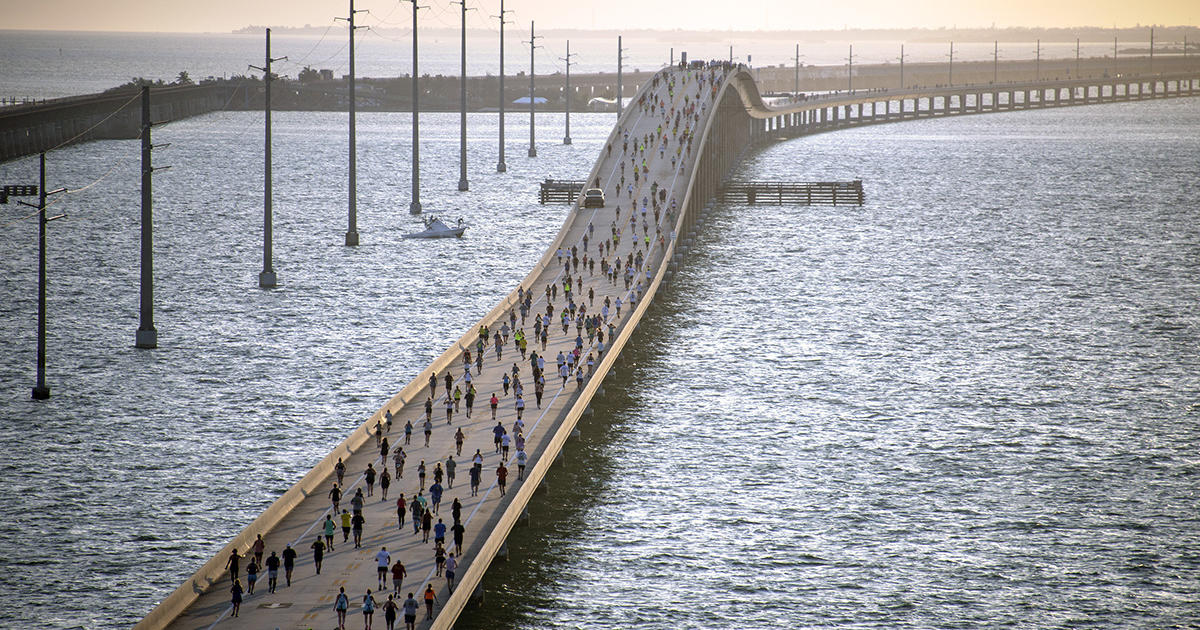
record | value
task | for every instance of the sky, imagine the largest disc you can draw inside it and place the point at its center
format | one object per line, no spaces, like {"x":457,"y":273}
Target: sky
{"x":228,"y":15}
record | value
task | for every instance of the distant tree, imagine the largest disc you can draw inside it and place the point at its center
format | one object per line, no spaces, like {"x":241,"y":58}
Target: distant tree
{"x":308,"y":75}
{"x":183,"y":79}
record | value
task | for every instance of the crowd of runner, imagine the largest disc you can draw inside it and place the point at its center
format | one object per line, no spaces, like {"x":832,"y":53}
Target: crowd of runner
{"x":575,"y":316}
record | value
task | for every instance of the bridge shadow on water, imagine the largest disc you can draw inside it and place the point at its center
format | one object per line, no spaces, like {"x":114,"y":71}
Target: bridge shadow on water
{"x":519,"y":590}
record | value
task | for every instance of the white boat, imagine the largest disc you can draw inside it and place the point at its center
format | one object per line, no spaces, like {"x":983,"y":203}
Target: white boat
{"x":435,"y":228}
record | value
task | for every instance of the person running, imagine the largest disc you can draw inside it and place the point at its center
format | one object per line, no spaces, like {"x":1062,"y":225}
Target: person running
{"x":410,"y":607}
{"x":522,"y":458}
{"x":504,"y":444}
{"x":368,"y":609}
{"x":369,"y":476}
{"x":474,"y":475}
{"x":398,"y":575}
{"x":340,"y":606}
{"x":501,"y":477}
{"x":340,"y":469}
{"x":435,"y":495}
{"x":383,"y":559}
{"x":408,"y":429}
{"x":272,"y":572}
{"x":428,"y":430}
{"x":456,"y":510}
{"x":401,"y":509}
{"x":385,"y":480}
{"x":346,"y":525}
{"x":494,"y":402}
{"x":421,"y":474}
{"x":426,"y":525}
{"x":356,"y":523}
{"x":439,"y":533}
{"x":233,"y":564}
{"x":389,"y":612}
{"x":450,"y":565}
{"x":251,"y":576}
{"x":356,"y":502}
{"x":456,"y":532}
{"x":289,"y":563}
{"x":398,"y":459}
{"x":430,"y":600}
{"x":236,"y":599}
{"x":498,"y":433}
{"x":318,"y":548}
{"x":450,"y":466}
{"x":330,"y":528}
{"x":260,"y":547}
{"x":335,"y":497}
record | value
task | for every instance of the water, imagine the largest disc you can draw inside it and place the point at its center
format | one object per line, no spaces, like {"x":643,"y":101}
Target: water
{"x":971,"y":403}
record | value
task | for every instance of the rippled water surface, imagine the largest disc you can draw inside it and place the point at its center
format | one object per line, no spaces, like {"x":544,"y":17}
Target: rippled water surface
{"x":971,"y":403}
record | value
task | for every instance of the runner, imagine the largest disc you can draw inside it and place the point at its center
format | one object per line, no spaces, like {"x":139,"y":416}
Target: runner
{"x":289,"y":563}
{"x":236,"y":599}
{"x":382,"y":560}
{"x":318,"y":548}
{"x":341,"y":605}
{"x":398,"y":575}
{"x":368,"y":609}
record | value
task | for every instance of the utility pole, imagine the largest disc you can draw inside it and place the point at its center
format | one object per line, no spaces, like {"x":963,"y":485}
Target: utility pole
{"x":40,"y":390}
{"x":731,"y":54}
{"x":532,"y":46}
{"x":500,"y":165}
{"x":147,"y":335}
{"x":996,"y":61}
{"x":796,"y":80}
{"x":1151,"y":50}
{"x":462,"y":124}
{"x":1038,"y":63}
{"x":352,"y":228}
{"x":620,"y":54}
{"x":1076,"y":57}
{"x":951,"y":68}
{"x":414,"y":206}
{"x":1114,"y":55}
{"x":567,"y":137}
{"x":850,"y":70}
{"x":266,"y":277}
{"x":901,"y":66}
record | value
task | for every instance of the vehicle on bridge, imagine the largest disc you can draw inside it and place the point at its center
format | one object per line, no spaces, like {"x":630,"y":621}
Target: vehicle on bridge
{"x":593,"y":198}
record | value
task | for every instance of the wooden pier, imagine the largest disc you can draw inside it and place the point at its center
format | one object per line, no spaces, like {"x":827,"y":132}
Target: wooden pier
{"x":559,"y":191}
{"x":793,"y":193}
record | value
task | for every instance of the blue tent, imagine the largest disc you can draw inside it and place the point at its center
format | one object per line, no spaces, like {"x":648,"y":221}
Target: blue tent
{"x":524,"y":100}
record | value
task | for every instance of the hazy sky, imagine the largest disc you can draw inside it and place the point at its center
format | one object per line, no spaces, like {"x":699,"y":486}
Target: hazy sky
{"x":226,"y":15}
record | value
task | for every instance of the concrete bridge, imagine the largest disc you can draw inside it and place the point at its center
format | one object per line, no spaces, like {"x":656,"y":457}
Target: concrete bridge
{"x":722,"y":113}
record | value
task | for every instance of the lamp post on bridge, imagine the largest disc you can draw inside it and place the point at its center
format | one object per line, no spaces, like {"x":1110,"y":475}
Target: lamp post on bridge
{"x":1076,"y":58}
{"x":620,"y":62}
{"x":996,"y":61}
{"x":901,"y":66}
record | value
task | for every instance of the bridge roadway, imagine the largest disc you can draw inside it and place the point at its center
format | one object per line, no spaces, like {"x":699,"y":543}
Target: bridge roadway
{"x":204,"y":601}
{"x":732,"y":117}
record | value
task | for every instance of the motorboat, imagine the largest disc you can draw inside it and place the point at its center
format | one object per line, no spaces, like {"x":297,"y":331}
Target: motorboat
{"x":436,"y":228}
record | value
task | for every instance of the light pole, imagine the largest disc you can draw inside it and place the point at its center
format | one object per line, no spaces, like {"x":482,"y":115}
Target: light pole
{"x":462,"y":126}
{"x":267,"y":277}
{"x":567,"y":137}
{"x":352,"y":228}
{"x":951,"y":67}
{"x":996,"y":61}
{"x":40,"y":390}
{"x":532,"y":46}
{"x":147,"y":335}
{"x":796,"y":79}
{"x":850,"y":70}
{"x":901,"y":66}
{"x":414,"y":206}
{"x":500,"y":165}
{"x":1038,"y":63}
{"x":620,"y":60}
